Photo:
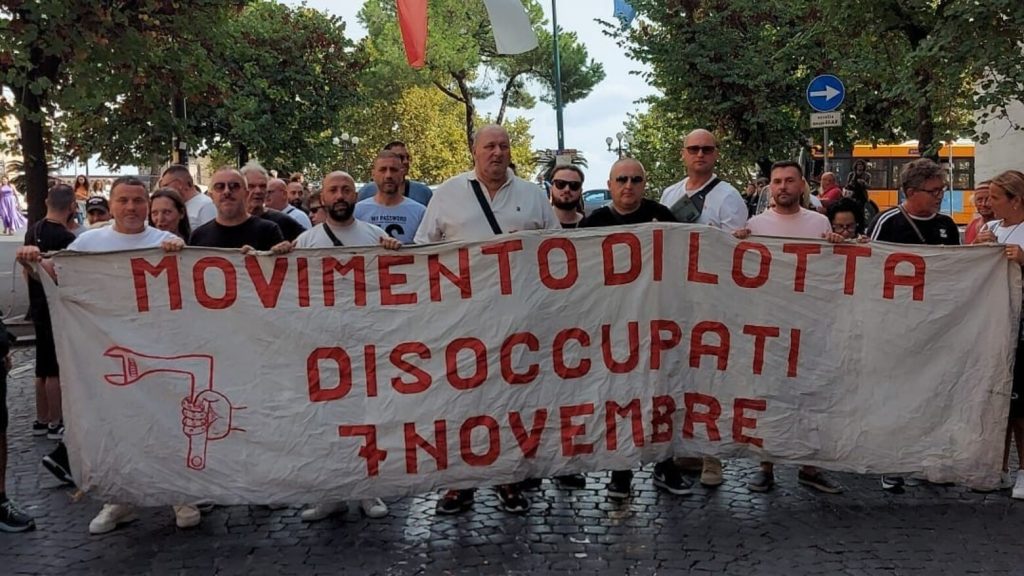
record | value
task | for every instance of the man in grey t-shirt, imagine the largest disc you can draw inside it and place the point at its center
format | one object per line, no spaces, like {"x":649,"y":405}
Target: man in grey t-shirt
{"x":399,"y":216}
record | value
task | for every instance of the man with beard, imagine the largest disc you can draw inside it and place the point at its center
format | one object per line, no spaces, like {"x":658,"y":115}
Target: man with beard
{"x":488,"y":200}
{"x":627,"y":182}
{"x":397,"y":215}
{"x":233,"y":226}
{"x":277,"y":199}
{"x":258,"y":181}
{"x":566,"y":191}
{"x":296,"y":193}
{"x":340,"y":228}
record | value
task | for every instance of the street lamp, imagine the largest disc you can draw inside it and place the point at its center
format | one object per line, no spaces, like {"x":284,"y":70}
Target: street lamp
{"x":623,"y":140}
{"x":347,"y":144}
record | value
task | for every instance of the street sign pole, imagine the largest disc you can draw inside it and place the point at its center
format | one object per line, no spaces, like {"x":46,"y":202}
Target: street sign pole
{"x":825,"y":151}
{"x":558,"y":77}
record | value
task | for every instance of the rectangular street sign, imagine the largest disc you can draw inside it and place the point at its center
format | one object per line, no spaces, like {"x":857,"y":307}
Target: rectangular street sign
{"x":826,"y":119}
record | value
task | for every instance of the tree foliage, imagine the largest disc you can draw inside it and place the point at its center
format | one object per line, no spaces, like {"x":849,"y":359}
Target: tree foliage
{"x":462,"y":61}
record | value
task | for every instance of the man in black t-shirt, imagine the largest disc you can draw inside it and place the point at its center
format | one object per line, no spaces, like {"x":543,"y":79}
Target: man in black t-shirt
{"x":49,"y":235}
{"x":627,"y":183}
{"x":917,"y":219}
{"x":234,"y":227}
{"x":257,"y":181}
{"x":566,"y":195}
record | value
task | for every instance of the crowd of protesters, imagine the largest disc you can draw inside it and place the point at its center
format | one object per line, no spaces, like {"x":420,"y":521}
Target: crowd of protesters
{"x":250,"y":209}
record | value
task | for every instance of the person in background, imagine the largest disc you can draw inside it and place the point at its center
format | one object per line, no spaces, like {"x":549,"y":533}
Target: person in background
{"x":316,"y":209}
{"x":167,"y":212}
{"x":81,"y":188}
{"x":567,"y":194}
{"x":10,"y":214}
{"x":97,"y":212}
{"x":846,"y":219}
{"x":418,"y":191}
{"x":830,"y":190}
{"x":1006,"y":201}
{"x":984,"y":212}
{"x":12,"y":518}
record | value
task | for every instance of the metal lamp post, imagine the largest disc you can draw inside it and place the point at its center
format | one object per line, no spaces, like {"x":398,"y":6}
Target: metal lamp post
{"x":347,"y":144}
{"x":622,"y":141}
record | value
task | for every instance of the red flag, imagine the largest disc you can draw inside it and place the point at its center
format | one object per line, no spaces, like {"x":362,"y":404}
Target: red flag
{"x":412,"y":19}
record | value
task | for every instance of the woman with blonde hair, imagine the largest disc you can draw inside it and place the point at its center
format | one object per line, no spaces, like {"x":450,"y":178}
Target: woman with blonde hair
{"x":1006,"y":199}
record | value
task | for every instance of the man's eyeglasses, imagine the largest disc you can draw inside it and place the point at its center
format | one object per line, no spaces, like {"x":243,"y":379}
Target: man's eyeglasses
{"x":633,"y":179}
{"x":934,"y":192}
{"x":697,"y":149}
{"x":232,"y":186}
{"x":314,"y":209}
{"x":570,"y":184}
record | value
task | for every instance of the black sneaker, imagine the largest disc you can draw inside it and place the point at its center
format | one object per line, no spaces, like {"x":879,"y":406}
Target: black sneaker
{"x":761,"y":482}
{"x":819,"y":481}
{"x":893,"y":483}
{"x":39,"y":428}
{"x":55,"y":432}
{"x":572,"y":481}
{"x":57,"y":463}
{"x":668,"y":478}
{"x":530,"y":484}
{"x":620,"y":485}
{"x":512,"y":499}
{"x":12,"y":519}
{"x":454,"y":502}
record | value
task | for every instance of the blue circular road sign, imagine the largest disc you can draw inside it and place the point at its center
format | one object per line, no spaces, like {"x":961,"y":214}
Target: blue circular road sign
{"x":825,"y":93}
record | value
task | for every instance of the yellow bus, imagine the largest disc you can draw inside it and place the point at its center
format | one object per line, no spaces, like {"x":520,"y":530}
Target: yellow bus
{"x":884,"y":161}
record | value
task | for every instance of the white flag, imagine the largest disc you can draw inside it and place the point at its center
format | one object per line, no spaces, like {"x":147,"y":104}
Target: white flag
{"x":513,"y":33}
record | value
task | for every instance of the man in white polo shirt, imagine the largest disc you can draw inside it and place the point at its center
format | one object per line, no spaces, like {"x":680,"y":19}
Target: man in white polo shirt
{"x":277,"y":199}
{"x":476,"y":205}
{"x":199,"y":206}
{"x":455,"y":213}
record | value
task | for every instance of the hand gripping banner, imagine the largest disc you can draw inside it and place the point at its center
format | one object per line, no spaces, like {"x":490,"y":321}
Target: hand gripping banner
{"x":348,"y":373}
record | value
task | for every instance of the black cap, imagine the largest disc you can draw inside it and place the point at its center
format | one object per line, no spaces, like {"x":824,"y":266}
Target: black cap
{"x":96,"y":203}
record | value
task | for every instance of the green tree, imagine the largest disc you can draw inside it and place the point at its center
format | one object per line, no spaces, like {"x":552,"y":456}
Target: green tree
{"x":42,"y":44}
{"x":462,"y":61}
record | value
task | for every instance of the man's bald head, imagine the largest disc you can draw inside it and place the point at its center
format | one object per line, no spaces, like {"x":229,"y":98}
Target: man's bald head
{"x":700,"y":152}
{"x":700,"y":134}
{"x":337,"y":174}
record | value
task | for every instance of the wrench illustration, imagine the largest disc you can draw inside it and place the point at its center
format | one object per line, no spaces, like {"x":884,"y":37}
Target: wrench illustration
{"x":206,"y":414}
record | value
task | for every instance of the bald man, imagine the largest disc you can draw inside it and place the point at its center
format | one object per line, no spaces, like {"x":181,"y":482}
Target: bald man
{"x":701,"y":197}
{"x":234,"y":227}
{"x":457,"y":209}
{"x":340,"y":228}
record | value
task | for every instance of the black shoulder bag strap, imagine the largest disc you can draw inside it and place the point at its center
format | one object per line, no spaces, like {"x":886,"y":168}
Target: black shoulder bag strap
{"x":330,"y":234}
{"x":698,"y":198}
{"x":912,"y":224}
{"x":485,"y":206}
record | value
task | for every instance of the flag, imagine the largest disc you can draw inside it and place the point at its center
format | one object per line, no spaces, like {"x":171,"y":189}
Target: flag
{"x":624,"y":12}
{"x":513,"y":33}
{"x":412,"y":19}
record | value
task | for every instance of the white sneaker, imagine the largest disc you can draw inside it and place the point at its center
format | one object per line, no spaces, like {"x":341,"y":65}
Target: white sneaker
{"x":374,"y":507}
{"x":323,"y":510}
{"x":186,"y":516}
{"x":110,"y":517}
{"x":1018,"y":487}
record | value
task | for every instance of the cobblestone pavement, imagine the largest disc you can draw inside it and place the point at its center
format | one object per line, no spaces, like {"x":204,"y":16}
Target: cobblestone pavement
{"x":929,"y":530}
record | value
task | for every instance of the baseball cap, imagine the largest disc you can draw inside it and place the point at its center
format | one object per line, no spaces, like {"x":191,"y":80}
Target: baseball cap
{"x":96,"y":203}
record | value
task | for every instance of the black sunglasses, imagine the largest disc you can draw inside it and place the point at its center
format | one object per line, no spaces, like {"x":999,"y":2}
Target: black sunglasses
{"x":233,"y":186}
{"x":698,"y":149}
{"x":633,"y":179}
{"x":570,"y":184}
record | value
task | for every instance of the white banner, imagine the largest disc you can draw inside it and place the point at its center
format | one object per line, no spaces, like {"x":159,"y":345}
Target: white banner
{"x":349,"y":373}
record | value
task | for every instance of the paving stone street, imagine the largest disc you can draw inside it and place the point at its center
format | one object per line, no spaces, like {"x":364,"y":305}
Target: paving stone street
{"x":792,"y":530}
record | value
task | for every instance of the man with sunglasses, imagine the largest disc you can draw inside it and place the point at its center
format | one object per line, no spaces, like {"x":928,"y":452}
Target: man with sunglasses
{"x":566,"y":191}
{"x":627,"y":182}
{"x":417,"y":191}
{"x":702,"y":198}
{"x":714,"y":202}
{"x":317,"y":214}
{"x":234,"y":227}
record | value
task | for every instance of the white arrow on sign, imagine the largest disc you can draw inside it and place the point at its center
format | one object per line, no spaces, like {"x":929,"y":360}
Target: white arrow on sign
{"x":829,"y":93}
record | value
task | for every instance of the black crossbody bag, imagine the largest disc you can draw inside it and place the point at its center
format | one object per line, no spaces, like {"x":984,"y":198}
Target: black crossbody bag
{"x":689,"y":208}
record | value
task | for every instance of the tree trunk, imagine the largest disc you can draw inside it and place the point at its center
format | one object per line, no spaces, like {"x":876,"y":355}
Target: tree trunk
{"x":33,"y":150}
{"x":243,"y":155}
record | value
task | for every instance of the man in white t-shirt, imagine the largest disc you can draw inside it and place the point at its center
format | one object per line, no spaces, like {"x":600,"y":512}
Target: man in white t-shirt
{"x":720,"y":206}
{"x":340,"y":227}
{"x":789,"y":219}
{"x":455,"y":213}
{"x":277,"y":199}
{"x":717,"y":204}
{"x":398,"y":215}
{"x":199,"y":207}
{"x":129,"y":204}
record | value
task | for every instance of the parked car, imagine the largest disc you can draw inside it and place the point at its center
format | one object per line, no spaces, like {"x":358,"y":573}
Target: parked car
{"x":595,"y":198}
